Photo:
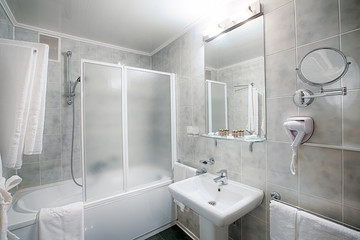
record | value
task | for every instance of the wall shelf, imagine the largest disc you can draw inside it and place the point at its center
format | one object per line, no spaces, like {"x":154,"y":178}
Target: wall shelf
{"x":247,"y":138}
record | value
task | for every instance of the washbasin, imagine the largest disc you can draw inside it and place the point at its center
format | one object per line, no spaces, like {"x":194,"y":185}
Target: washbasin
{"x":219,"y":204}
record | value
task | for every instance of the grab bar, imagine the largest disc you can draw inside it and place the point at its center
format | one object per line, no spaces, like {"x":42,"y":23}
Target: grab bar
{"x":275,"y":196}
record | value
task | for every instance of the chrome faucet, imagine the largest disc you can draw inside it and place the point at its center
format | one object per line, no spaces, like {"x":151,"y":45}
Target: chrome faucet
{"x":223,"y":178}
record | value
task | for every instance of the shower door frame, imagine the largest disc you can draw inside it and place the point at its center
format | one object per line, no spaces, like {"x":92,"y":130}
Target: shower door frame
{"x":124,"y":117}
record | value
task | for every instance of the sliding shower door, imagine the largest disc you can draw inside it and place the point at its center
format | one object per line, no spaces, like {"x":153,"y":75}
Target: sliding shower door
{"x":102,"y":129}
{"x":149,"y":126}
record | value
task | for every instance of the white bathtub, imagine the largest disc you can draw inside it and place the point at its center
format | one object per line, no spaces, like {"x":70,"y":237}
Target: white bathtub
{"x":135,"y":214}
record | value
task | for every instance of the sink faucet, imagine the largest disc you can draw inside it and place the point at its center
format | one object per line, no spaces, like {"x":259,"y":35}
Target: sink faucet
{"x":223,"y":178}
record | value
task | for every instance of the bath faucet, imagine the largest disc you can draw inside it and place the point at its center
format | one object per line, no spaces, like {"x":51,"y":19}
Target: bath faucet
{"x":211,"y":161}
{"x":223,"y":178}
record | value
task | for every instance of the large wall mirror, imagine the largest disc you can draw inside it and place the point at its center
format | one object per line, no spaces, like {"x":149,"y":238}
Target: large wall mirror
{"x":235,"y":82}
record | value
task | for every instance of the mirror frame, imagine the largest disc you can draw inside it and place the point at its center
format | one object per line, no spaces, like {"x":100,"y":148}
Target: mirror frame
{"x":311,"y":83}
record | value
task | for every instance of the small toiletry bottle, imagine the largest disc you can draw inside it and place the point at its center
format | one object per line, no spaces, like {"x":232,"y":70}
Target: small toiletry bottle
{"x":226,"y":132}
{"x":235,"y":133}
{"x":241,"y":133}
{"x":221,"y":132}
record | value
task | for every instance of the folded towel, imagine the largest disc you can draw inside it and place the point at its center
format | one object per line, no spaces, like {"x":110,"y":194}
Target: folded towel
{"x":282,"y":221}
{"x":253,"y":110}
{"x":182,"y":172}
{"x":61,"y":223}
{"x":5,"y":201}
{"x":16,"y":71}
{"x":181,"y":206}
{"x":35,"y":124}
{"x":311,"y":227}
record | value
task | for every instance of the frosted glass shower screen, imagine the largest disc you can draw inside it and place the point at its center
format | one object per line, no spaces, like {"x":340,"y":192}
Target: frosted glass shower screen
{"x":149,"y":126}
{"x":102,"y":129}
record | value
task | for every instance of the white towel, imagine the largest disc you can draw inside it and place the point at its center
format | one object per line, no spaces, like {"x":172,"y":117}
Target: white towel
{"x":253,"y":110}
{"x":282,"y":221}
{"x":311,"y":227}
{"x":182,"y":172}
{"x":16,"y":81}
{"x":36,"y":119}
{"x":61,"y":223}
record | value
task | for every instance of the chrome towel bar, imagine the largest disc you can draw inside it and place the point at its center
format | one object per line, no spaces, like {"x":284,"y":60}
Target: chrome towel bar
{"x":275,"y":196}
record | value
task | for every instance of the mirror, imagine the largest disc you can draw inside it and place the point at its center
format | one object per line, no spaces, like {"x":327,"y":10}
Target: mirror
{"x":322,"y":66}
{"x":235,"y":81}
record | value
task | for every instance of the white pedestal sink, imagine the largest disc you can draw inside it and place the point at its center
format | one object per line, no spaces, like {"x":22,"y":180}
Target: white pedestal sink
{"x":218,"y":206}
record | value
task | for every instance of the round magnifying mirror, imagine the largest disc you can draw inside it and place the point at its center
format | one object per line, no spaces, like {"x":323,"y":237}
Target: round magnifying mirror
{"x":322,"y":66}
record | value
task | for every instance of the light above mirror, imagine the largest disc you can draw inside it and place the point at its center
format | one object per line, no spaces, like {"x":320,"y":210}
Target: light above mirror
{"x":235,"y":82}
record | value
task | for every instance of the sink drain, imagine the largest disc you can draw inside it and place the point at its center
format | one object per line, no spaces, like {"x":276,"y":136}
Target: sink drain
{"x":213,"y":203}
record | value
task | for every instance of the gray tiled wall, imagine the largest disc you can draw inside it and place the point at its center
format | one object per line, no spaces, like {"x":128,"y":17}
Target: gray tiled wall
{"x":328,"y":179}
{"x":53,"y":164}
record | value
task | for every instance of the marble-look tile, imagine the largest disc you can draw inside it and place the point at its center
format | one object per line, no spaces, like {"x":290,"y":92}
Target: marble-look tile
{"x":6,"y":30}
{"x":54,"y":72}
{"x":352,"y":216}
{"x":50,"y":171}
{"x":53,"y":95}
{"x":280,"y":74}
{"x":231,"y":155}
{"x":184,"y":91}
{"x":30,"y":174}
{"x":27,"y":159}
{"x":52,"y":121}
{"x":351,"y":116}
{"x":253,"y":164}
{"x":70,"y":45}
{"x":190,"y":220}
{"x":104,"y":54}
{"x":287,"y":195}
{"x":66,"y":146}
{"x":316,"y":20}
{"x":66,"y":168}
{"x":278,"y":110}
{"x":352,"y":179}
{"x":326,"y":113}
{"x":67,"y":119}
{"x":199,"y":117}
{"x":351,"y":48}
{"x":51,"y":148}
{"x":88,"y":51}
{"x":278,"y":165}
{"x":25,"y":35}
{"x":321,"y":205}
{"x":184,"y":118}
{"x":349,"y":12}
{"x":320,"y":172}
{"x":280,"y":29}
{"x":185,"y":147}
{"x":253,"y":228}
{"x":271,"y":5}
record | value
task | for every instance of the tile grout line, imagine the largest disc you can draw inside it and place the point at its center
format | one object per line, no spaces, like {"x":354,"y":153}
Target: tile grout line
{"x":342,"y":123}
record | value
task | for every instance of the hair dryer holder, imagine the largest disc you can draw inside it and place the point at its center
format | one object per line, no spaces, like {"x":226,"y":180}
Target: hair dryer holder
{"x":299,"y":130}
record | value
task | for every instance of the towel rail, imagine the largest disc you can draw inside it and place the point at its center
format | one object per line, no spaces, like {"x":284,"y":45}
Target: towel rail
{"x":198,"y":171}
{"x":275,"y":196}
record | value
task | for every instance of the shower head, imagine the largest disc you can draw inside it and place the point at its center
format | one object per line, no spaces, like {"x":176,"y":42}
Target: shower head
{"x":74,"y":86}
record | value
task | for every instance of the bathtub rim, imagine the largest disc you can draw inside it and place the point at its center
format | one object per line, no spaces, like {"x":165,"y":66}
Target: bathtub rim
{"x":30,"y":218}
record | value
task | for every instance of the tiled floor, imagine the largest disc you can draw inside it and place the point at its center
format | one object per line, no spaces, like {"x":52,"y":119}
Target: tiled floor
{"x":173,"y":233}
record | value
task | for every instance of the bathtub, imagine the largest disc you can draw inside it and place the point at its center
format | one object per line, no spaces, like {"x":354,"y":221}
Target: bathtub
{"x":135,"y":214}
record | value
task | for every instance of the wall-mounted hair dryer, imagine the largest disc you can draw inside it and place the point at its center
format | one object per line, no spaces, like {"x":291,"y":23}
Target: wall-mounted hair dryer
{"x":299,"y":130}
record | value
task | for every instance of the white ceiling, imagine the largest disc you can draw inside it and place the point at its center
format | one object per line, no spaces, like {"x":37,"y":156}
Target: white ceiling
{"x":140,"y":25}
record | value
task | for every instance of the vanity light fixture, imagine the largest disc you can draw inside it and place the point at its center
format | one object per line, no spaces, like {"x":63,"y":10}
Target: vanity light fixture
{"x":251,"y":12}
